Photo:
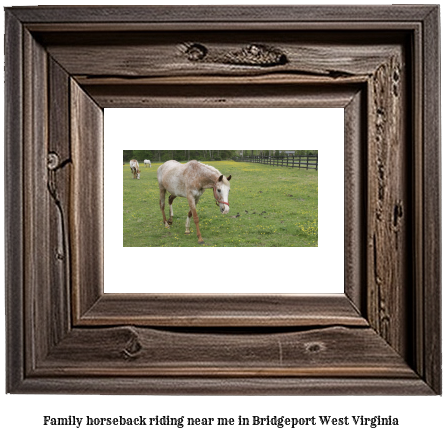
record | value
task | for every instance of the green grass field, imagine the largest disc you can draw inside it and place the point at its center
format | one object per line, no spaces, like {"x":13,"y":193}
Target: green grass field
{"x":269,"y":207}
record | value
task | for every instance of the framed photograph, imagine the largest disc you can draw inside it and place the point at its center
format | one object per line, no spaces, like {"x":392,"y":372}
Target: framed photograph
{"x":378,"y":331}
{"x":275,"y":206}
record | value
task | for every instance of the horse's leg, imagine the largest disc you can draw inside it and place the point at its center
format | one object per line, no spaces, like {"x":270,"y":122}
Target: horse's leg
{"x":171,"y":213}
{"x":192,"y":205}
{"x":188,"y":222}
{"x":162,"y":205}
{"x":188,"y":219}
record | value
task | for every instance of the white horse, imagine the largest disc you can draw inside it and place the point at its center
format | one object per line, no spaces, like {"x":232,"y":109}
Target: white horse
{"x":147,"y":162}
{"x":133,"y":164}
{"x":190,"y":181}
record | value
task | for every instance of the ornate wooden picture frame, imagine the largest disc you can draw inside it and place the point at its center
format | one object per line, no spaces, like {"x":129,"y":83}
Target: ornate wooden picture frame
{"x":64,"y":65}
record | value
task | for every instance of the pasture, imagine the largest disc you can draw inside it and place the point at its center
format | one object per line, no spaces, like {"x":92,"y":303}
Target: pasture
{"x":269,"y":207}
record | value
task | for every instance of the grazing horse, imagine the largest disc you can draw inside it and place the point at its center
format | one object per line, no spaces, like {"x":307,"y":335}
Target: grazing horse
{"x":133,"y":164}
{"x":190,"y":181}
{"x":147,"y":162}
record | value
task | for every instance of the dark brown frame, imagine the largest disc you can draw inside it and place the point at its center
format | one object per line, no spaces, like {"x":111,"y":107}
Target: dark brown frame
{"x":64,"y":65}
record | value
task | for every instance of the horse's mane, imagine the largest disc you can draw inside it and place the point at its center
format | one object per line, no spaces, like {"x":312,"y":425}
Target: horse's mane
{"x":210,"y":167}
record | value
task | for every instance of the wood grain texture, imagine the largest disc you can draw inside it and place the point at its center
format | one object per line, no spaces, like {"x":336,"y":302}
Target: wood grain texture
{"x":222,"y":96}
{"x":418,"y":358}
{"x":431,"y":317}
{"x":162,"y":54}
{"x":59,"y":185}
{"x":129,"y":351}
{"x":388,"y":204}
{"x":225,"y":14}
{"x":355,"y":190}
{"x":37,"y":306}
{"x":73,"y":61}
{"x":234,"y":310}
{"x":288,"y":386}
{"x":86,"y":208}
{"x":14,"y":238}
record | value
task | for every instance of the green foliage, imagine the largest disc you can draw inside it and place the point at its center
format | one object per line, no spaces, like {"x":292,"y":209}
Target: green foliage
{"x":306,"y":152}
{"x":269,"y":207}
{"x":180,"y":155}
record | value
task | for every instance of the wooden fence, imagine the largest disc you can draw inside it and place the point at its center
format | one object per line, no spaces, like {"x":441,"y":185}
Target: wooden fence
{"x":300,"y":161}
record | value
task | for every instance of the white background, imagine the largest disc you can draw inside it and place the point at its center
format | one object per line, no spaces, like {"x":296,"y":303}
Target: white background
{"x":22,"y":414}
{"x":264,"y":128}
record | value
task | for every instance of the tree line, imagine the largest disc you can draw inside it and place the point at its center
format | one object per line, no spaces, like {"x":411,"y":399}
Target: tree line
{"x":180,"y":155}
{"x":188,"y":155}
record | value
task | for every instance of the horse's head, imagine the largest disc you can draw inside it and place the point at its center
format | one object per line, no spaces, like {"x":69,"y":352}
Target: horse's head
{"x":138,"y":174}
{"x":221,"y":193}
